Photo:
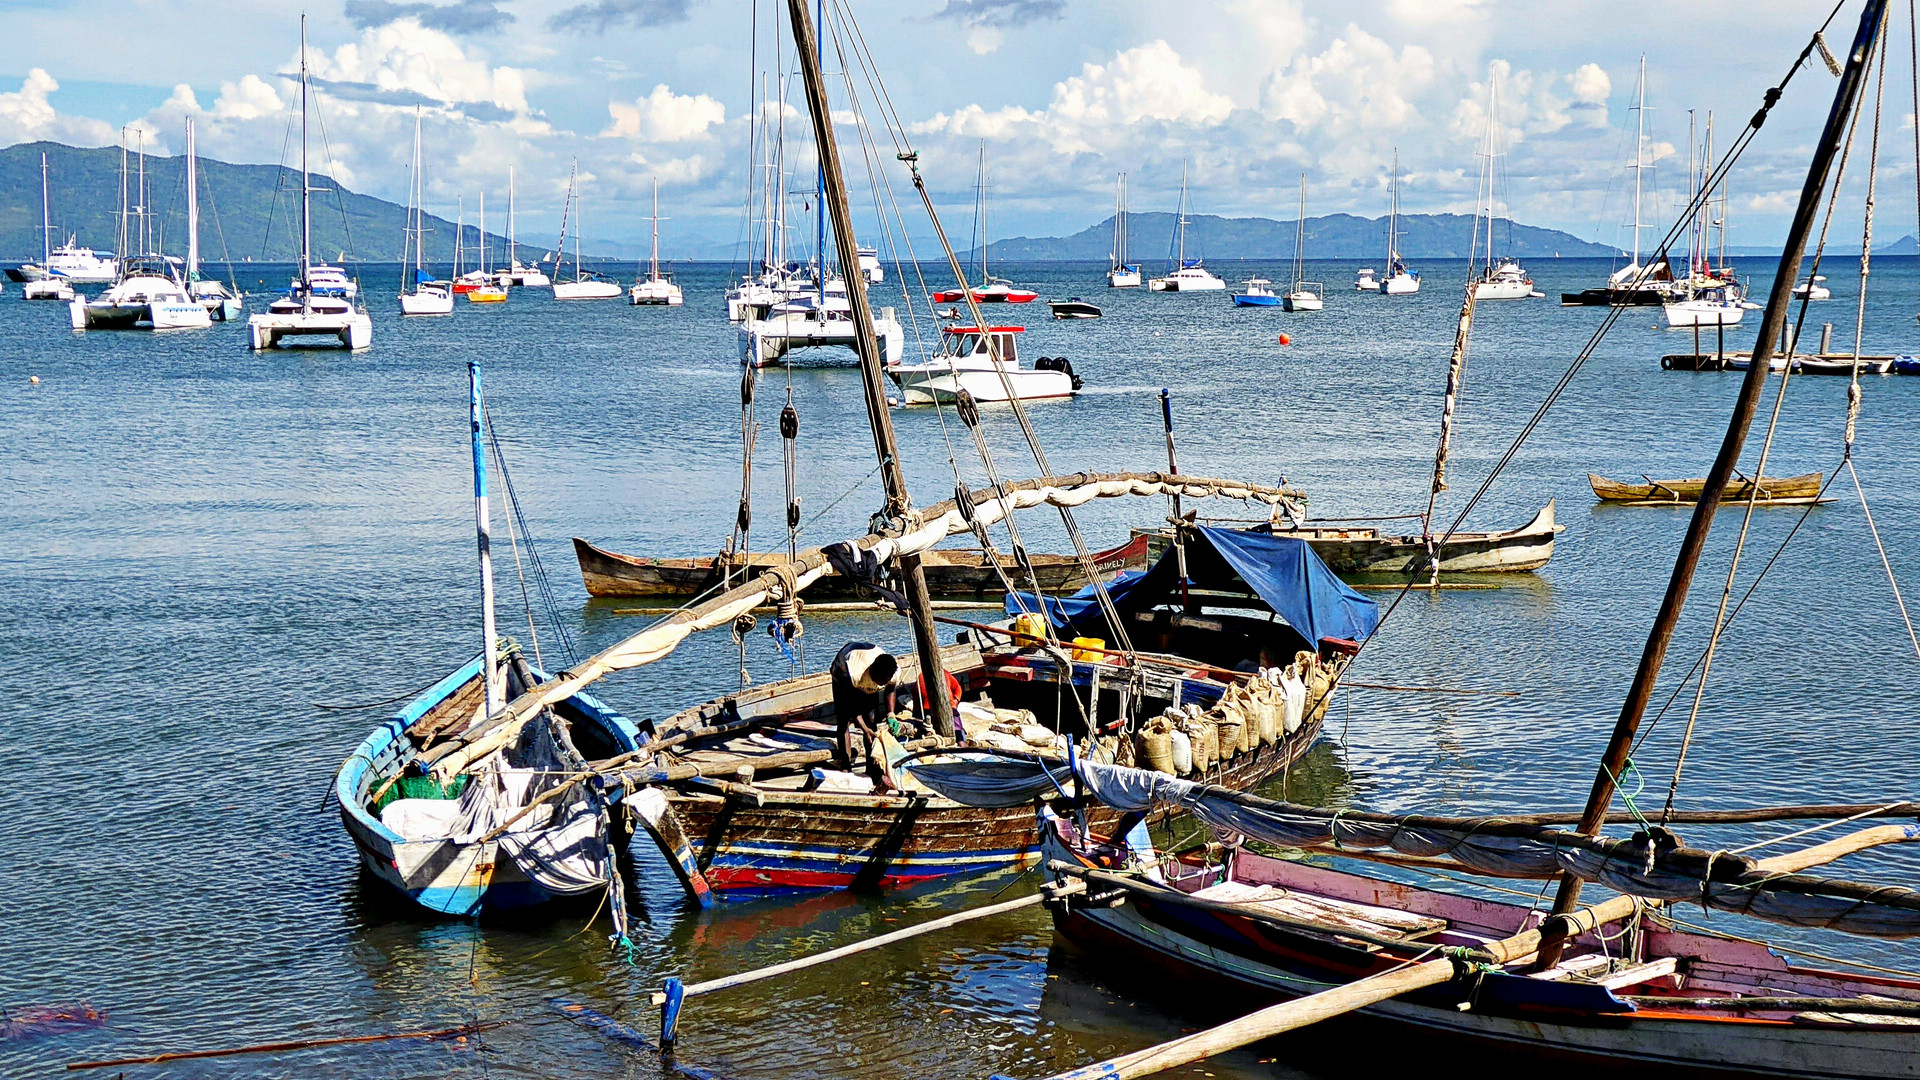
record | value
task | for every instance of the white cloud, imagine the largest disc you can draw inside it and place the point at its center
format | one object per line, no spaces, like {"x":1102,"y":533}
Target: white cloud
{"x":664,"y":116}
{"x":249,"y":99}
{"x":27,"y":116}
{"x":985,"y":39}
{"x":1590,"y":85}
{"x":1357,"y":82}
{"x":405,"y":58}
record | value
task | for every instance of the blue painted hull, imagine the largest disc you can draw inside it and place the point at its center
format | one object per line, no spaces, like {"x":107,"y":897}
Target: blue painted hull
{"x":1242,"y":300}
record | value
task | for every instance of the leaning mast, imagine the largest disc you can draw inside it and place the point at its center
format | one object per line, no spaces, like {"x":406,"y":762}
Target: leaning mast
{"x":834,"y":198}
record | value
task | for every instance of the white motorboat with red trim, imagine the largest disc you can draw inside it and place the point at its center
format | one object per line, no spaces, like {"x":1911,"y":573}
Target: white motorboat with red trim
{"x":987,"y":366}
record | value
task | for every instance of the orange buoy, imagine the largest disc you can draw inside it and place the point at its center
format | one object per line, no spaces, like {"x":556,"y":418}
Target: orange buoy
{"x":1285,"y":340}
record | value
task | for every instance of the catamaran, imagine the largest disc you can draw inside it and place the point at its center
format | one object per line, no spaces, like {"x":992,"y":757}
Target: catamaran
{"x":1184,"y":275}
{"x":321,"y":302}
{"x":426,"y":296}
{"x":223,"y":303}
{"x":515,"y":274}
{"x":658,"y":288}
{"x":45,"y":286}
{"x":1121,"y":274}
{"x":1632,"y":284}
{"x":148,"y":292}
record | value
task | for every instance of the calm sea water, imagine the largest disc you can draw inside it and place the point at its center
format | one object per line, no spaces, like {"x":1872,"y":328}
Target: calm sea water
{"x":198,"y":544}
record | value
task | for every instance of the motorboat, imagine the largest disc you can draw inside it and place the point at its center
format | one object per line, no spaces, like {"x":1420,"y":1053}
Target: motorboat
{"x":427,"y":296}
{"x":812,"y":320}
{"x":320,"y":303}
{"x":81,"y":265}
{"x":1364,"y":280}
{"x":658,"y":288}
{"x":491,"y":294}
{"x":1121,"y":274}
{"x":517,"y":274}
{"x":1191,"y":277}
{"x":986,"y":365}
{"x":1811,"y":289}
{"x":1073,"y":308}
{"x":149,"y":295}
{"x":1259,"y":294}
{"x":870,"y":267}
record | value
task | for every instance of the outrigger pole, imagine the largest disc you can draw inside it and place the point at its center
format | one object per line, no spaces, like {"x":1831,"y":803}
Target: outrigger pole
{"x":833,"y":192}
{"x":1772,"y":325}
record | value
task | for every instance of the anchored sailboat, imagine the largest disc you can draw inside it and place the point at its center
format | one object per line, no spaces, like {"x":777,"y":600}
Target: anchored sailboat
{"x":1185,"y":275}
{"x":1304,"y":295}
{"x":1507,"y":280}
{"x":1632,"y":284}
{"x":321,"y":302}
{"x":586,"y":284}
{"x":1121,"y":274}
{"x":426,"y":296}
{"x":148,"y":293}
{"x":1399,"y":281}
{"x":658,"y":288}
{"x":43,"y":285}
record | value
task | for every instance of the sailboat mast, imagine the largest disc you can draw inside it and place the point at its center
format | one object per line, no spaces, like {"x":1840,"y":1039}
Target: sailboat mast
{"x":899,"y":502}
{"x":513,"y":252}
{"x":459,"y":234}
{"x":819,"y":61}
{"x":123,"y":238}
{"x":1773,"y":324}
{"x":981,"y":214}
{"x":483,"y":234}
{"x":193,"y":208}
{"x":46,"y":218}
{"x":146,"y":226}
{"x":1181,"y":262}
{"x":654,"y":270}
{"x":419,"y":198}
{"x":1300,"y":236}
{"x":482,"y":529}
{"x":1639,"y":153}
{"x":1119,"y":220}
{"x":1393,"y":211}
{"x":306,"y":186}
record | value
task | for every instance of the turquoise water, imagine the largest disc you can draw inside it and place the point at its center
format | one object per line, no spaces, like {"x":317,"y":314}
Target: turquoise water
{"x":198,"y":543}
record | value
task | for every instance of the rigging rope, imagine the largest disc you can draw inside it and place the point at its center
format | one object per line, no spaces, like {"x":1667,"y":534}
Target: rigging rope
{"x":543,"y":583}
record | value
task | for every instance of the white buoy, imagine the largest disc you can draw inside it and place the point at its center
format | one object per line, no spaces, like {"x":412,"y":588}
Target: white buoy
{"x":35,"y":379}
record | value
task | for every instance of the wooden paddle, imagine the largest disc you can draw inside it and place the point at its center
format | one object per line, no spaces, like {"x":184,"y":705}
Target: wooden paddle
{"x":1374,"y":989}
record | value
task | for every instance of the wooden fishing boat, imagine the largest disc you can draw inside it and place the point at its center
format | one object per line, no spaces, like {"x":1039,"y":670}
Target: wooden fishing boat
{"x":953,"y":574}
{"x":397,"y":814}
{"x":1355,"y":551}
{"x":1774,"y":490}
{"x":1261,"y":929}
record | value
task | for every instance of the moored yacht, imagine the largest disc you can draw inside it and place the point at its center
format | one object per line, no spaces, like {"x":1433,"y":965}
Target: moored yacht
{"x":1505,"y":280}
{"x":1399,"y":280}
{"x":1121,"y":274}
{"x":320,"y":303}
{"x":985,"y":366}
{"x":586,"y":284}
{"x":148,"y":295}
{"x":222,"y":303}
{"x":659,"y":289}
{"x":1187,"y":275}
{"x":42,"y":286}
{"x":427,"y":296}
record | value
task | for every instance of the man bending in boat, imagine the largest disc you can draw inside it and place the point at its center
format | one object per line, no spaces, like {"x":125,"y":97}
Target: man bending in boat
{"x":864,"y":696}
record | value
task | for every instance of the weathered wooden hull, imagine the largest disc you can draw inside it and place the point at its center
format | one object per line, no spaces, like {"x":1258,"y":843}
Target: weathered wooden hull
{"x":1233,"y":959}
{"x":1365,"y":551}
{"x":1786,"y":490}
{"x":951,"y":574}
{"x":442,"y":876}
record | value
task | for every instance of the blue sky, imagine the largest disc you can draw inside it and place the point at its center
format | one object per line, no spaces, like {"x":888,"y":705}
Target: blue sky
{"x":1064,"y":93}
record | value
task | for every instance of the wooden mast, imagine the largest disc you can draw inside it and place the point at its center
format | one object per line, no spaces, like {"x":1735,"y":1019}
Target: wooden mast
{"x":1772,"y":325}
{"x":834,"y":194}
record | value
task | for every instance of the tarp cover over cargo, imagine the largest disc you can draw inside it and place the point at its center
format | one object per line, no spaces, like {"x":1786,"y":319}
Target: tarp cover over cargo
{"x":1282,"y":572}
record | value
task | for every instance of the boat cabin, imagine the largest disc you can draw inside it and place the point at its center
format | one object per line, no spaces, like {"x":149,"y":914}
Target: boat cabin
{"x":962,"y":341}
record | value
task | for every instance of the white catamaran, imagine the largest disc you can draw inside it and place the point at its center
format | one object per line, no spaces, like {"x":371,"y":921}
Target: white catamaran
{"x":658,"y":288}
{"x":1186,"y":275}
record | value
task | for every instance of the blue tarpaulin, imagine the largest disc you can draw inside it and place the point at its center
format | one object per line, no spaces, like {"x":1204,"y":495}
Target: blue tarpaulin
{"x":1282,"y":571}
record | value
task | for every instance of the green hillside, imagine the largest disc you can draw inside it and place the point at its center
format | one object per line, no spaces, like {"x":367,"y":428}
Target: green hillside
{"x":254,"y":207}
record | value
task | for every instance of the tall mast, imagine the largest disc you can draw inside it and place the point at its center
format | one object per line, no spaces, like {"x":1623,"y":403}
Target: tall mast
{"x":1493,"y":101}
{"x":123,"y":238}
{"x":1639,"y":153}
{"x":1181,"y":262}
{"x":1773,"y":324}
{"x":306,"y":186}
{"x":46,"y":218}
{"x":419,"y":197}
{"x":483,"y":233}
{"x":193,"y":209}
{"x":981,"y":213}
{"x":459,"y":234}
{"x":1119,"y":221}
{"x":1693,"y":192}
{"x":654,"y":270}
{"x":819,"y":60}
{"x":1300,"y":236}
{"x":482,"y":529}
{"x":1393,"y":212}
{"x":899,"y":502}
{"x":1720,"y":221}
{"x":146,"y":226}
{"x":513,"y":254}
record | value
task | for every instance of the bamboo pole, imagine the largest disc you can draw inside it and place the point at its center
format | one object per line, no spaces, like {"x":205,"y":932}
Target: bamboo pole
{"x":1313,"y":1008}
{"x":297,"y":1044}
{"x":772,"y":971}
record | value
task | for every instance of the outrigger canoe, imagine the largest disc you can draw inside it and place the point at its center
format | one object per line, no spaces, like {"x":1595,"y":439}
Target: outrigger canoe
{"x":951,"y":573}
{"x":1349,"y":550}
{"x":1774,"y":490}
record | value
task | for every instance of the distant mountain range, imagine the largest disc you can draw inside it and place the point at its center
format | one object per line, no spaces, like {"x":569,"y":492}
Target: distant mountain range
{"x":1334,"y":236}
{"x":246,"y":211}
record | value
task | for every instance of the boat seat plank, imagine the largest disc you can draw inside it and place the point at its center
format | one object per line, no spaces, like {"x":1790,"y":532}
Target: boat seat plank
{"x":1640,"y":973}
{"x":1376,"y":921}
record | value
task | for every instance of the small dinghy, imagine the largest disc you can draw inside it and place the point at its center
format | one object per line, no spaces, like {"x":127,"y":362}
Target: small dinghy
{"x":1774,"y":491}
{"x":1073,"y":308}
{"x":1259,"y":294}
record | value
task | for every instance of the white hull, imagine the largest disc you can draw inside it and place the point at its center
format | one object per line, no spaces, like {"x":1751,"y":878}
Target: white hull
{"x":656,"y":293}
{"x":1690,"y":313}
{"x":426,"y":302}
{"x":47,"y":289}
{"x":585,"y":290}
{"x":768,"y":341}
{"x":1302,"y":302}
{"x":154,"y":315}
{"x":926,"y":384}
{"x":1401,"y":284}
{"x":1818,"y":292}
{"x":1123,"y":279}
{"x":1503,"y":290}
{"x":352,"y":329}
{"x":1192,"y":283}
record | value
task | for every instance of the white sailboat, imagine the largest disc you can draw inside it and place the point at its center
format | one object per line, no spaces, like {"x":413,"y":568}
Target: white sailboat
{"x":147,"y":293}
{"x":586,"y":285}
{"x":1186,"y":275}
{"x":223,"y":304}
{"x":46,"y":286}
{"x":426,"y":296}
{"x":1305,"y":295}
{"x":1507,"y":280}
{"x":515,"y":273}
{"x":1121,"y":274}
{"x":1399,"y":280}
{"x":1707,"y":296}
{"x":321,"y":302}
{"x":1632,"y":284}
{"x":658,"y":288}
